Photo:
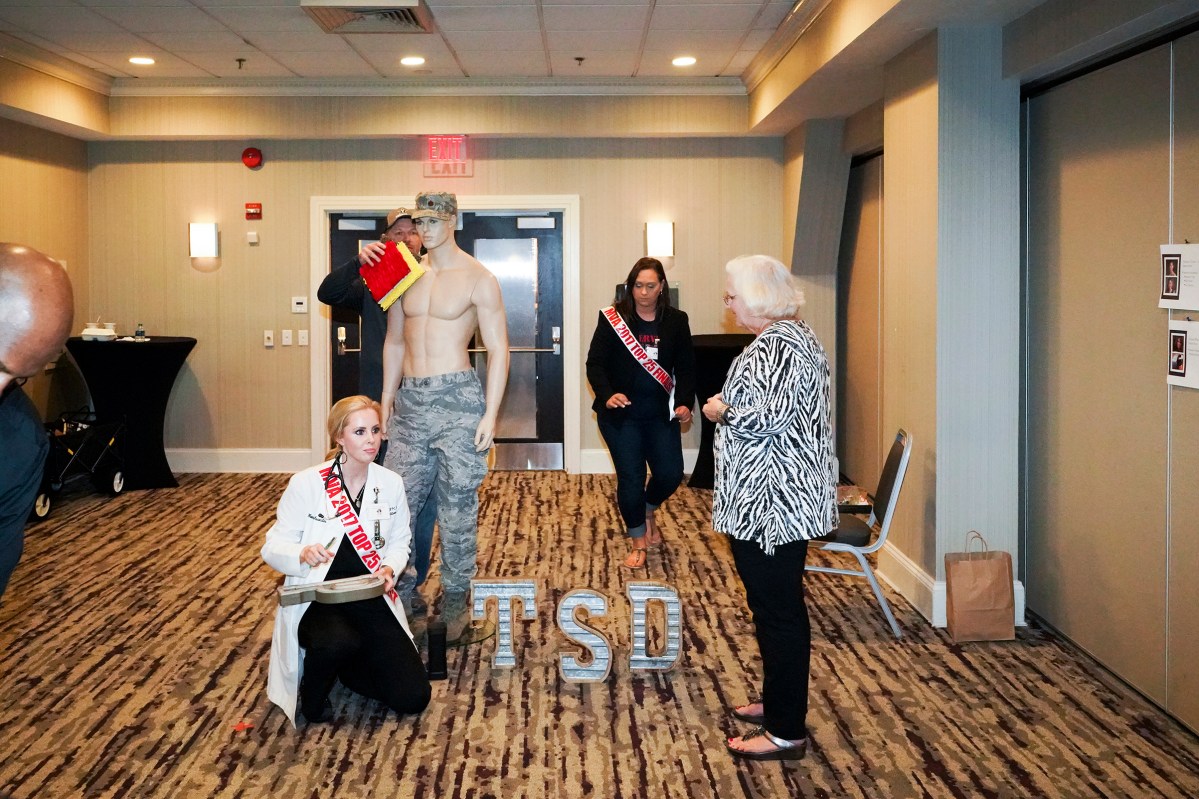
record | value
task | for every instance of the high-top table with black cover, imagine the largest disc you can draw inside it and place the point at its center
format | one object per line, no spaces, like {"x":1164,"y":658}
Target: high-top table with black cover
{"x":714,"y":354}
{"x":130,"y":382}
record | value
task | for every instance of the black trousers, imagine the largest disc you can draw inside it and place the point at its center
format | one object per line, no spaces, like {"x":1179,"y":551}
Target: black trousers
{"x":774,"y":589}
{"x":634,"y":444}
{"x":362,"y":644}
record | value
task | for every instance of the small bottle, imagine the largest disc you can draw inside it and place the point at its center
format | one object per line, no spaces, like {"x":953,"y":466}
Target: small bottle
{"x":140,"y":333}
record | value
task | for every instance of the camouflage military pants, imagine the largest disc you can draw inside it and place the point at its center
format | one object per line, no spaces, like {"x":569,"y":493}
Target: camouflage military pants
{"x":432,"y":447}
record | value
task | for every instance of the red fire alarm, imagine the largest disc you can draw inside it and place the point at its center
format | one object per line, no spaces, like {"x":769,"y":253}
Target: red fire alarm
{"x":253,"y":210}
{"x":251,"y":157}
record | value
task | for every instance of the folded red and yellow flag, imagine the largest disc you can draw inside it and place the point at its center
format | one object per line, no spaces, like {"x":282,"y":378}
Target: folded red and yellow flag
{"x":391,"y":276}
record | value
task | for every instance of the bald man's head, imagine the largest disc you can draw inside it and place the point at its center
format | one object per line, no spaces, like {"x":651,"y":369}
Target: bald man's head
{"x":36,"y":309}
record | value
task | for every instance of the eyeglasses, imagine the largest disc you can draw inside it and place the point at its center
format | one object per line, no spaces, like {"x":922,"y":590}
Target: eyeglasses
{"x":20,"y":381}
{"x":728,"y":298}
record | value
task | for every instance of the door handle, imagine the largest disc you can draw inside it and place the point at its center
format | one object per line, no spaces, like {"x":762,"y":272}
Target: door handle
{"x":341,"y":341}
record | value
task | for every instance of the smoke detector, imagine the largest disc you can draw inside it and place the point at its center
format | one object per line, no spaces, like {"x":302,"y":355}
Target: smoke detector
{"x":380,"y":16}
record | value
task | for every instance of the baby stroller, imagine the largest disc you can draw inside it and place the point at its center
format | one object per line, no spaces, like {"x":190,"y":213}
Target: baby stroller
{"x":79,"y":446}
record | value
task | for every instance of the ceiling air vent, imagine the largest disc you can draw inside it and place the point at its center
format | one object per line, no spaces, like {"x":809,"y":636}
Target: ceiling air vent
{"x":381,"y":16}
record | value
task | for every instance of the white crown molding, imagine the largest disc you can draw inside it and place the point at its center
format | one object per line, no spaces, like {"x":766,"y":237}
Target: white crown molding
{"x":28,"y":55}
{"x":433,"y":87}
{"x":788,"y":33}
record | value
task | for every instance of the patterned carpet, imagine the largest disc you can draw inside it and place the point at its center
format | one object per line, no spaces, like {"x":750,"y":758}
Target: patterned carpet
{"x":134,"y":640}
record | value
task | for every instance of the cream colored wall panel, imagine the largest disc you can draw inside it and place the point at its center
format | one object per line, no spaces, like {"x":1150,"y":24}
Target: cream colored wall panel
{"x":909,"y":291}
{"x":44,"y":176}
{"x":1182,"y":632}
{"x":859,"y":437}
{"x":830,"y":33}
{"x":723,"y":195}
{"x":1096,"y":395}
{"x":376,"y":117}
{"x":1059,"y":34}
{"x":864,"y":130}
{"x":56,"y":102}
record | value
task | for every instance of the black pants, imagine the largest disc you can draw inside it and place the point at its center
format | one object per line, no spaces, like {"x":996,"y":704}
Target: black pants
{"x":634,"y":443}
{"x":774,"y":589}
{"x":362,"y":644}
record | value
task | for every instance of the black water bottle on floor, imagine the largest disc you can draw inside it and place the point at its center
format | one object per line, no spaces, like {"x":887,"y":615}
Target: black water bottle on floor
{"x":436,"y":667}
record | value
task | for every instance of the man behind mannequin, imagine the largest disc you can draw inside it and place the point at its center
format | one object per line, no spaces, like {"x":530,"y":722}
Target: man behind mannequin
{"x":439,"y":425}
{"x":343,"y":287}
{"x":36,"y":309}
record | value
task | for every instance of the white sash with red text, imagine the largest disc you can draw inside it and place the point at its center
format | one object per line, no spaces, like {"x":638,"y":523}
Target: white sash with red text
{"x":640,"y":355}
{"x":352,"y":525}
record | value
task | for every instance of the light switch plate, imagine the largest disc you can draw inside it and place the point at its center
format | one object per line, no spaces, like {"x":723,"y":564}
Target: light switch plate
{"x":303,"y":338}
{"x":286,"y":338}
{"x":268,"y":338}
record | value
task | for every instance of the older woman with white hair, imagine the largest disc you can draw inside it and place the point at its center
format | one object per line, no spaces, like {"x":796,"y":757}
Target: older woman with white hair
{"x":775,"y":490}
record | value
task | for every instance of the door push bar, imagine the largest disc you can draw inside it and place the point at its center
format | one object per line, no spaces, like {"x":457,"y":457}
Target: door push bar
{"x":556,"y":349}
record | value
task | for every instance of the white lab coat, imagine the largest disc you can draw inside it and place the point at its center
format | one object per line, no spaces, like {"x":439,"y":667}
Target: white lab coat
{"x":306,"y":516}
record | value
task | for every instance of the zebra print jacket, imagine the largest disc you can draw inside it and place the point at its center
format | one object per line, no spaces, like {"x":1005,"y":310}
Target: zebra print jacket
{"x":775,"y":464}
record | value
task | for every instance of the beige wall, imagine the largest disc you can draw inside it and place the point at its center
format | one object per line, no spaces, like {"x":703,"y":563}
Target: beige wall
{"x":908,"y":298}
{"x":388,"y":117}
{"x":722,"y":193}
{"x":44,"y":176}
{"x":55,"y":102}
{"x":1098,"y":409}
{"x":1182,"y":531}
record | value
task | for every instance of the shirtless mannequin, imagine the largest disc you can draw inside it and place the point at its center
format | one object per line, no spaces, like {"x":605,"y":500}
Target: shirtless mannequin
{"x":439,"y":425}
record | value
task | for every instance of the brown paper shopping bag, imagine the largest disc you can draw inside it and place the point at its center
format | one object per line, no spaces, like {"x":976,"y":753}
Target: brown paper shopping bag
{"x":980,"y":605}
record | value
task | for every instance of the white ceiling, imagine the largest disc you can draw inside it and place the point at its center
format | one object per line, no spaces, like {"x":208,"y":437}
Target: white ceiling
{"x":483,"y":39}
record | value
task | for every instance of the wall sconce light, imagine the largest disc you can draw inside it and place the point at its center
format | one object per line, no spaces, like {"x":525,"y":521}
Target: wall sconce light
{"x":659,"y":239}
{"x":204,"y":239}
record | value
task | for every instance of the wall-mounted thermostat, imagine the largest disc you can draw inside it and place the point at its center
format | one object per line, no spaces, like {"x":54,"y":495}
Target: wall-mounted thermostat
{"x":299,"y":305}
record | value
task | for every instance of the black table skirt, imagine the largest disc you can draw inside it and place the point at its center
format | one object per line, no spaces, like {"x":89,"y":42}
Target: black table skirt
{"x":714,"y":354}
{"x":130,"y":382}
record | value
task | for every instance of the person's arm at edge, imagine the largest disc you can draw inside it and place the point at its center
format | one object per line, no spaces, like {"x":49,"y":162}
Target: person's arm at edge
{"x":684,"y":368}
{"x":343,"y":287}
{"x":597,"y":360}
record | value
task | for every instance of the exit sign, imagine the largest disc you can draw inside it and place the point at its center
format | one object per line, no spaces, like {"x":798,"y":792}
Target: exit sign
{"x":446,"y":158}
{"x":447,"y":148}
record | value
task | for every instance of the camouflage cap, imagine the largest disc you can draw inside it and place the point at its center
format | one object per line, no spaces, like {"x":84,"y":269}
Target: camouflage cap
{"x":435,"y":204}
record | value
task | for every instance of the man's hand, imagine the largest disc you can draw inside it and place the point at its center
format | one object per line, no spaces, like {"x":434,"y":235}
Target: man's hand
{"x":683,"y":414}
{"x":371,"y":253}
{"x":484,"y":434}
{"x":385,"y":406}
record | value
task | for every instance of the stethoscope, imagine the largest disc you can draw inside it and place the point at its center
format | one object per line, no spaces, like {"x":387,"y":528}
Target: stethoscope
{"x":377,"y":539}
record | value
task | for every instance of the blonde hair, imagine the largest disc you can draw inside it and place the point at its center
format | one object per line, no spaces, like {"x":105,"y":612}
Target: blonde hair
{"x":766,"y":287}
{"x":341,"y":411}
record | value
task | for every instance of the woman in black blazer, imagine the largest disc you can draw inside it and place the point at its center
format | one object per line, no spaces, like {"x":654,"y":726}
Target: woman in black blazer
{"x":641,"y":366}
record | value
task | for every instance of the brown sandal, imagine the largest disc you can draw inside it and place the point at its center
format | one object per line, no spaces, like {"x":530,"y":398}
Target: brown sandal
{"x":635,"y":558}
